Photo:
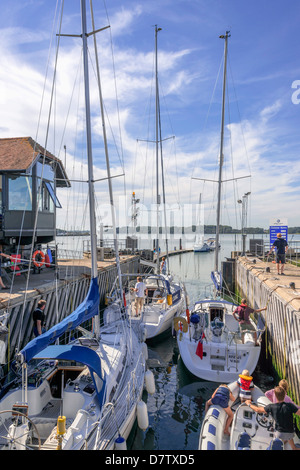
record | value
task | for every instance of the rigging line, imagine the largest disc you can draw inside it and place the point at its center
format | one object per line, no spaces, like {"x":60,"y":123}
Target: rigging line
{"x":236,"y":98}
{"x":231,"y":153}
{"x":173,"y":133}
{"x":115,"y":80}
{"x":40,"y":186}
{"x":211,"y":101}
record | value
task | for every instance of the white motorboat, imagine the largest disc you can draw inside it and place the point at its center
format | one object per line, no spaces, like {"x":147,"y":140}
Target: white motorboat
{"x":83,"y":394}
{"x":209,"y":340}
{"x":249,"y":430}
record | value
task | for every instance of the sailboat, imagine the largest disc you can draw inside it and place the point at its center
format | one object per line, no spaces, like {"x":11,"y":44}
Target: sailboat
{"x":84,"y":394}
{"x":165,"y":298}
{"x":208,"y":335}
{"x":200,"y":245}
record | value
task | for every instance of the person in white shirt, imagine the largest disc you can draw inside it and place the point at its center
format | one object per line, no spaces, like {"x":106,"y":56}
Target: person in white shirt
{"x":139,"y":289}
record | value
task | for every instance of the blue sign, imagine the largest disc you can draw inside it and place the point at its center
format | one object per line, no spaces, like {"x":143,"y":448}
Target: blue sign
{"x":274,"y":229}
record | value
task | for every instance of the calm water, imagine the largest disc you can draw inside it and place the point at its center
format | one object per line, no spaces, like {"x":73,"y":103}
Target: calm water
{"x":176,"y":410}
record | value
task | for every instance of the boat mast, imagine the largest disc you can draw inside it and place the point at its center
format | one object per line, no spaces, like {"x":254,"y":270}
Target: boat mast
{"x":111,"y":198}
{"x":94,"y":267}
{"x":89,"y":143}
{"x":157,"y":142}
{"x":226,"y":36}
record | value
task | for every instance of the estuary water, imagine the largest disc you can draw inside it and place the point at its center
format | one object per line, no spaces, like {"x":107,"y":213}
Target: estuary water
{"x":176,"y":409}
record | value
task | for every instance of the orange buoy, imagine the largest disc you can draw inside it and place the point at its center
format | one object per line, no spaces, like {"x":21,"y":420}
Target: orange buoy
{"x":38,"y":258}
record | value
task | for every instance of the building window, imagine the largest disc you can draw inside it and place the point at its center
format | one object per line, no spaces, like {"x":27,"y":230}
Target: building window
{"x":20,"y":193}
{"x":47,"y":198}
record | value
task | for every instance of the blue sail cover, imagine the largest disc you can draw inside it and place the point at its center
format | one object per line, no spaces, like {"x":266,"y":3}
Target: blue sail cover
{"x":85,"y":311}
{"x":85,"y":355}
{"x":217,"y":279}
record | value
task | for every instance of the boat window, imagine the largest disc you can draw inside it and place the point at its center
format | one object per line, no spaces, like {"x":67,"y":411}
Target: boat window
{"x":216,"y":313}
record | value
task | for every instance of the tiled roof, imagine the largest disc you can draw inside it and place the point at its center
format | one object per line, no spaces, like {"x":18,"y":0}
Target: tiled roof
{"x":19,"y":153}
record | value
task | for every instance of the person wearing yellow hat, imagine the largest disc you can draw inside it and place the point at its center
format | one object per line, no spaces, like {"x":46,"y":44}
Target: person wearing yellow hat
{"x":246,"y":386}
{"x":281,"y":246}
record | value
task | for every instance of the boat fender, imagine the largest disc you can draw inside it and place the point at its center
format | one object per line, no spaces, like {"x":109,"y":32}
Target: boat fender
{"x":150,"y":383}
{"x":120,"y":443}
{"x":124,"y":299}
{"x":195,"y":318}
{"x":144,"y":334}
{"x":47,"y":261}
{"x":181,"y":324}
{"x":40,"y":254}
{"x":142,"y":415}
{"x":145,"y":351}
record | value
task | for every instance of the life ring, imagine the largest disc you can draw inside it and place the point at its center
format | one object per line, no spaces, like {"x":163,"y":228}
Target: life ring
{"x":40,"y":263}
{"x":181,"y":324}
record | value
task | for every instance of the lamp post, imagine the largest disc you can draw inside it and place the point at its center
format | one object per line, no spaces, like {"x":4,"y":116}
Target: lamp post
{"x":244,"y":202}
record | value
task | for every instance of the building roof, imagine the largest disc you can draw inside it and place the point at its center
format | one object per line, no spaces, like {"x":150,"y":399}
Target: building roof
{"x":19,"y":154}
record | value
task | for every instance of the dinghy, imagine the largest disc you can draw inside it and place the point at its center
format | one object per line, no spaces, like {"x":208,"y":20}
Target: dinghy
{"x":249,"y":430}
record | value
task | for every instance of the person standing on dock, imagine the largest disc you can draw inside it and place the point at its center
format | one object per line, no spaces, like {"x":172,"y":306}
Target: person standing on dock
{"x":139,"y":289}
{"x":163,"y":266}
{"x":38,"y":317}
{"x":281,"y":245}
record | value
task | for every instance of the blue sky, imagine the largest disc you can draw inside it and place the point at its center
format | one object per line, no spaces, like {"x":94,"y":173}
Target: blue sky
{"x":262,"y":112}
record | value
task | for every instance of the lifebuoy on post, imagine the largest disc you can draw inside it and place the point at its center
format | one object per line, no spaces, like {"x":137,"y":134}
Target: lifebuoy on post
{"x":38,"y":258}
{"x":180,"y":323}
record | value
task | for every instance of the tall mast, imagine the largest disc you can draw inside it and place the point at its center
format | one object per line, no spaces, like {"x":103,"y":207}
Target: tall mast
{"x":89,"y":143}
{"x":111,"y":198}
{"x":227,"y":35}
{"x":157,"y":142}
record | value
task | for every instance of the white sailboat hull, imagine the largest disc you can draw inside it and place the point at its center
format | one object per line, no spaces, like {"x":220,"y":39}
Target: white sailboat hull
{"x":223,"y":355}
{"x":157,"y":321}
{"x":79,"y":403}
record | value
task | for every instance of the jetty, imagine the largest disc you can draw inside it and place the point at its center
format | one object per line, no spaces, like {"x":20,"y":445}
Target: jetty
{"x":63,"y":287}
{"x":258,"y":281}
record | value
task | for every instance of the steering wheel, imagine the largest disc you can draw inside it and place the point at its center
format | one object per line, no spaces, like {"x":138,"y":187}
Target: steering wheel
{"x":15,"y":440}
{"x":264,"y":420}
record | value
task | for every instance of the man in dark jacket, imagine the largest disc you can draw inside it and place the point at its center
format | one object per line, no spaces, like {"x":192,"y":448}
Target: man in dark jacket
{"x":281,"y":245}
{"x":282,"y":413}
